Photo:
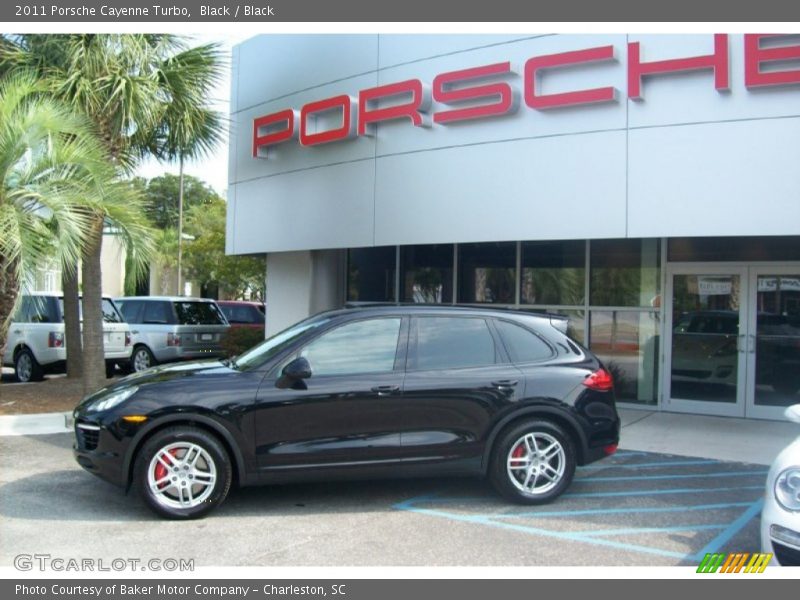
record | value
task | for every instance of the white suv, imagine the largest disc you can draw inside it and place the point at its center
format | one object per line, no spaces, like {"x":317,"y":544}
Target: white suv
{"x":36,"y":343}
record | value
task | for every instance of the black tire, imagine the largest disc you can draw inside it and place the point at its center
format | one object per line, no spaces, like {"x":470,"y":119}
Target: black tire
{"x":26,"y":367}
{"x":142,"y":359}
{"x":516,"y":477}
{"x":166,"y":502}
{"x":110,"y":369}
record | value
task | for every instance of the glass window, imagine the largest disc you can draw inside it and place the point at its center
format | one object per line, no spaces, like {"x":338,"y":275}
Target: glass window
{"x":453,"y":343}
{"x":371,"y":273}
{"x":523,"y":345}
{"x":110,"y":313}
{"x":198,"y":313}
{"x":487,"y":273}
{"x":271,"y":347}
{"x":361,"y":347}
{"x":576,"y":329}
{"x":627,"y":343}
{"x":246,"y":314}
{"x":130,"y":310}
{"x":625,"y":272}
{"x":733,"y":249}
{"x":426,"y":273}
{"x":553,"y":272}
{"x":156,"y":313}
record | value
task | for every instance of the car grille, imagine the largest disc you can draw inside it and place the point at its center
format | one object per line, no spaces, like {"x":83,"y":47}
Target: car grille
{"x":88,"y":436}
{"x":786,"y":555}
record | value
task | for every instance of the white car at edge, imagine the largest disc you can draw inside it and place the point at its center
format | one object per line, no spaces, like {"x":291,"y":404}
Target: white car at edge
{"x":780,"y":518}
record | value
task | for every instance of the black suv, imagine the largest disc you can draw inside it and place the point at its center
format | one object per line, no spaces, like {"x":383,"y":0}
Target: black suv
{"x":389,"y":390}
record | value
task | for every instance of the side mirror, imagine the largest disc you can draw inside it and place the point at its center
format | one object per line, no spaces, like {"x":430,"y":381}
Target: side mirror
{"x":294,"y":373}
{"x":793,"y":413}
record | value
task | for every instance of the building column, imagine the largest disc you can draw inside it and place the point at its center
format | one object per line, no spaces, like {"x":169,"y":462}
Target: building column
{"x":300,"y":284}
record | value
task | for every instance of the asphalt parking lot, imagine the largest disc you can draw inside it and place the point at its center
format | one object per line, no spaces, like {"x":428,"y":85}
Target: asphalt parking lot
{"x":633,"y":509}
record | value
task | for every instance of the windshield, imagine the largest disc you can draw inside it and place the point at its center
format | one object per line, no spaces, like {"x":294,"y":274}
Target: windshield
{"x":198,"y":313}
{"x":260,"y":354}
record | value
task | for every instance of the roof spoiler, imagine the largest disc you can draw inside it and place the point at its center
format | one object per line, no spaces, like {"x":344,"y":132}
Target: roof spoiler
{"x":560,"y":322}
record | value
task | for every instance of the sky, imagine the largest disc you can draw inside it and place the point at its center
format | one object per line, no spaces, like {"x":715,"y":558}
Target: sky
{"x":211,"y":169}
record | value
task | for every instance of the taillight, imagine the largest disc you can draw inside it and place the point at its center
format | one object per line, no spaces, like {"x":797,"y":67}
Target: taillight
{"x":599,"y":381}
{"x":55,"y":339}
{"x":127,"y":338}
{"x":173,"y":339}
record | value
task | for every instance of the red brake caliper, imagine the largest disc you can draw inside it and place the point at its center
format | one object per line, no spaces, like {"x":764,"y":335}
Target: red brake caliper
{"x":161,"y":471}
{"x":519,"y":452}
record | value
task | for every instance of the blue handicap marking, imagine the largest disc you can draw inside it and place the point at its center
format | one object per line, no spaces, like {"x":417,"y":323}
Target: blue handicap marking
{"x":439,"y":506}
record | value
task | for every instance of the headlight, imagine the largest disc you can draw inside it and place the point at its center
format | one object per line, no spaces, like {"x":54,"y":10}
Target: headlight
{"x":787,"y":488}
{"x":112,"y":399}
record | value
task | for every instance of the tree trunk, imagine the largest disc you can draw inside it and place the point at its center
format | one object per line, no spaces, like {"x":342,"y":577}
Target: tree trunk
{"x":72,"y":322}
{"x":9,"y":290}
{"x":94,"y":368}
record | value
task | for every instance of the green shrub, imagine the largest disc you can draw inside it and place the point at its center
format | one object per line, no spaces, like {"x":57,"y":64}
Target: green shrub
{"x":236,"y":341}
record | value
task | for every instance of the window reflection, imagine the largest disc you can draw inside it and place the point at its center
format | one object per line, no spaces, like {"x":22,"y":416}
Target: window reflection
{"x":625,"y":272}
{"x":371,"y":274}
{"x":361,"y":347}
{"x":778,"y":340}
{"x":627,"y":343}
{"x":427,"y":273}
{"x":553,"y":272}
{"x":487,"y":273}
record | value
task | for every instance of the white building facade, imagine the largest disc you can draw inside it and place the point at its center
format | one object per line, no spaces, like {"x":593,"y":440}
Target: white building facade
{"x":645,"y":186}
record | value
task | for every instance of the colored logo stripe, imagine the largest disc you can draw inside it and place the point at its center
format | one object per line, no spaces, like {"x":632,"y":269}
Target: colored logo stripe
{"x":734,"y":562}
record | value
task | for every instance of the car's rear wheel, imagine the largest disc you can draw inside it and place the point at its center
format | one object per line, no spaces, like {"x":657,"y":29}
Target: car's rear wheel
{"x":142,"y":359}
{"x":26,"y":367}
{"x":183,"y":473}
{"x":533,"y":462}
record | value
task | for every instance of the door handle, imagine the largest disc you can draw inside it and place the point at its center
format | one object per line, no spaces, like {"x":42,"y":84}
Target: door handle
{"x":386,"y":390}
{"x":752,"y":347}
{"x":741,"y":342}
{"x":505,"y":384}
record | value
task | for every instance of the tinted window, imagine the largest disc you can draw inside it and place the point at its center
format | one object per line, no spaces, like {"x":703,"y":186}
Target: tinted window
{"x":130,"y":310}
{"x":242,"y":313}
{"x":198,"y":313}
{"x":522,"y":345}
{"x":156,"y":313}
{"x":360,"y":347}
{"x":39,"y":309}
{"x":273,"y":346}
{"x":110,"y":313}
{"x":452,"y":343}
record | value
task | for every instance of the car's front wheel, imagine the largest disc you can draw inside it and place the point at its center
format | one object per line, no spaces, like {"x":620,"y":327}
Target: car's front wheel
{"x":533,"y":462}
{"x":183,"y":472}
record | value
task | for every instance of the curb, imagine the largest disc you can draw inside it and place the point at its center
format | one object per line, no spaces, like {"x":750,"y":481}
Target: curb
{"x":40,"y":424}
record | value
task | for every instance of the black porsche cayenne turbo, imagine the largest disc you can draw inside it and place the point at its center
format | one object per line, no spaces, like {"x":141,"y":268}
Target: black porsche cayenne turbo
{"x":391,"y":390}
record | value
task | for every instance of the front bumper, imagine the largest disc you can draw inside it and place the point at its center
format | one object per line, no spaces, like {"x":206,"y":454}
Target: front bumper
{"x":780,"y":534}
{"x":99,"y":451}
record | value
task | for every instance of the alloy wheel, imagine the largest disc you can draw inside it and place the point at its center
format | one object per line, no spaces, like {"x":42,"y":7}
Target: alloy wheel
{"x":181,"y":475}
{"x":24,"y":367}
{"x":536,"y":463}
{"x":141,"y":360}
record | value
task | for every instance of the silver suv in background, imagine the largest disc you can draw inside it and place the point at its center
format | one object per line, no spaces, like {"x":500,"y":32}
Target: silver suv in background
{"x":36,"y":343}
{"x":172,"y":328}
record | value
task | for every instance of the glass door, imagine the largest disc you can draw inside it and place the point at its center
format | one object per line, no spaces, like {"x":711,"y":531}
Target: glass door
{"x":773,"y":340}
{"x":705,"y":351}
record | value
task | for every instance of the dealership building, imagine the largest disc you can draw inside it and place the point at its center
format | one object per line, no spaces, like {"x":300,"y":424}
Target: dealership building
{"x":647,"y":187}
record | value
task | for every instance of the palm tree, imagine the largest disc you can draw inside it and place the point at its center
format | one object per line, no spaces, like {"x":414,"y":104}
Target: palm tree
{"x":133,"y":87}
{"x":49,"y":164}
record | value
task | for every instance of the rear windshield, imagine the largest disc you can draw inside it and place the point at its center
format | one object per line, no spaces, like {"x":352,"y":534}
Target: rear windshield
{"x":110,"y":312}
{"x":198,"y":313}
{"x":242,"y":314}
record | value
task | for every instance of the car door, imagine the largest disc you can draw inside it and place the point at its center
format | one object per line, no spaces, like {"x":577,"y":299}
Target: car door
{"x":458,"y":378}
{"x":348,"y":413}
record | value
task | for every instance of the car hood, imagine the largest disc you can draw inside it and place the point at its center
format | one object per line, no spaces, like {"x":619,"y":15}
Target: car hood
{"x":163,"y":374}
